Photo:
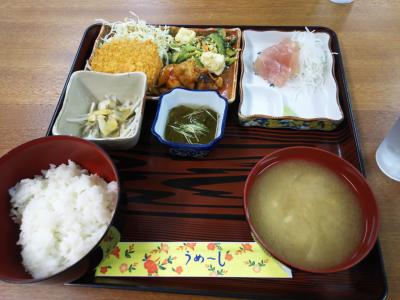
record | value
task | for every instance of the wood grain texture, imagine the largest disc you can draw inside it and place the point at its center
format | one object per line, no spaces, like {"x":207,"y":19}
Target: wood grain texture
{"x":40,"y":38}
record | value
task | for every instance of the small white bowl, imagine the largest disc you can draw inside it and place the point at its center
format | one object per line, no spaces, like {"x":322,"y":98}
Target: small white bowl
{"x":85,"y":87}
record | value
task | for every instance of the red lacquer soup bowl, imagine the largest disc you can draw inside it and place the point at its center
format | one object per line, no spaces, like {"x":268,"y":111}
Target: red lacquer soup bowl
{"x":350,"y":176}
{"x":26,"y":161}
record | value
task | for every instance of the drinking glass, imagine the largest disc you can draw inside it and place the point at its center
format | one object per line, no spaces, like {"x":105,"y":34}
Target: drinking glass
{"x":388,"y":153}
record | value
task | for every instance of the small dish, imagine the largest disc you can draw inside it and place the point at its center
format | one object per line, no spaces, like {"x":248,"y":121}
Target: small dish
{"x":85,"y":87}
{"x":348,"y":174}
{"x":179,"y":96}
{"x":285,"y":107}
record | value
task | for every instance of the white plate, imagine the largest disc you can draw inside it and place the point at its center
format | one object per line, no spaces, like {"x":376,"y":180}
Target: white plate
{"x":260,"y":99}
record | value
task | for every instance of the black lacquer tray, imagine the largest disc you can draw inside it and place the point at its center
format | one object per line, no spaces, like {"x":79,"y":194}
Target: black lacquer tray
{"x":201,"y":200}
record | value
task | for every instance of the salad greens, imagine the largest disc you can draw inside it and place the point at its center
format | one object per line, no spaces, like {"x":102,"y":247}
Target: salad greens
{"x":217,"y":42}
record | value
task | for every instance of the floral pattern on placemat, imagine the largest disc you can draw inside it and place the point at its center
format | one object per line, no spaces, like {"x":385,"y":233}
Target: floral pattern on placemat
{"x":190,"y":259}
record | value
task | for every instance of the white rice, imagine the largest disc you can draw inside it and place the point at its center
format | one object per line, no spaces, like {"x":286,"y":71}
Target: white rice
{"x":62,"y":215}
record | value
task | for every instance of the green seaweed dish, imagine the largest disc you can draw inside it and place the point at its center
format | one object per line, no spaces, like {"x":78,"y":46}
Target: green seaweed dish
{"x":191,"y":125}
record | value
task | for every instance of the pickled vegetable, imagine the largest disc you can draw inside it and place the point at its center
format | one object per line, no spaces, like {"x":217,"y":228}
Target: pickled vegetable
{"x":108,"y":118}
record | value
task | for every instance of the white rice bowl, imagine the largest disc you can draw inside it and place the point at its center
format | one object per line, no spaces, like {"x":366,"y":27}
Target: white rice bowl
{"x":62,"y":215}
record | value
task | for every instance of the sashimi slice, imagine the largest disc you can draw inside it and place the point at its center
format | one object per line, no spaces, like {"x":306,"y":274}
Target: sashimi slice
{"x":278,"y":63}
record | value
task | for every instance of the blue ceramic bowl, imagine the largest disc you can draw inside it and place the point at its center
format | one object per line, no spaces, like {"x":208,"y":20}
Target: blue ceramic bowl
{"x":180,"y":96}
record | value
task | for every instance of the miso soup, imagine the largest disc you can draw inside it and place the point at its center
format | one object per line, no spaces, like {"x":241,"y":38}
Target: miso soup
{"x":306,"y":214}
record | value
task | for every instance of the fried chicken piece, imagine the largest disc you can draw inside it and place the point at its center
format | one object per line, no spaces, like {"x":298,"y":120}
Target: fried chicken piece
{"x":167,"y":77}
{"x":184,"y":74}
{"x":188,"y":73}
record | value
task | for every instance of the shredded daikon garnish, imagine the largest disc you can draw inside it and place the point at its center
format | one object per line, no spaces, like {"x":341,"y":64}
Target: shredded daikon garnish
{"x":313,"y":59}
{"x":135,"y":28}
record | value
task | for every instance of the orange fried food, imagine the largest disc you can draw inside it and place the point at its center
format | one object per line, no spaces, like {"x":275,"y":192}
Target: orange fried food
{"x":124,"y":55}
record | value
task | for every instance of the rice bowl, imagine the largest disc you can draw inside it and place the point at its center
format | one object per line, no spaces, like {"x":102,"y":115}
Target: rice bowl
{"x":27,"y":161}
{"x":62,"y":215}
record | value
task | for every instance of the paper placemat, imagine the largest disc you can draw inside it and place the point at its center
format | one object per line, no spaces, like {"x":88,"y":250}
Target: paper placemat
{"x":190,"y":259}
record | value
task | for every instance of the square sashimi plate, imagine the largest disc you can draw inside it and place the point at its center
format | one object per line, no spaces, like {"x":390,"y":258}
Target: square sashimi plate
{"x":305,"y":101}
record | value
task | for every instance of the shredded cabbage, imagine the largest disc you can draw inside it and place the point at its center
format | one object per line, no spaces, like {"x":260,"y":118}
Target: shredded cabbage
{"x":135,"y":28}
{"x":313,"y":59}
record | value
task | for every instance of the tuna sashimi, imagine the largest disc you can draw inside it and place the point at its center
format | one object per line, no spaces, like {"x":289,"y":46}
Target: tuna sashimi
{"x":278,"y":63}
